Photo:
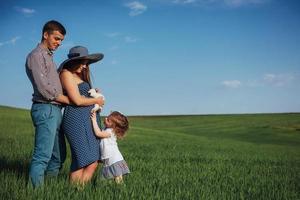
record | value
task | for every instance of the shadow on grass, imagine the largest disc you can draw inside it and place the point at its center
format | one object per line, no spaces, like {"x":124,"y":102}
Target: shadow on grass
{"x":20,"y":167}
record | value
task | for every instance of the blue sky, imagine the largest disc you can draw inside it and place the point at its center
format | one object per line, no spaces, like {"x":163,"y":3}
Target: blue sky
{"x":166,"y":56}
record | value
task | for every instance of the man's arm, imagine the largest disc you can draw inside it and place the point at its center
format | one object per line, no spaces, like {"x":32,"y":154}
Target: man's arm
{"x":62,"y":99}
{"x":39,"y":72}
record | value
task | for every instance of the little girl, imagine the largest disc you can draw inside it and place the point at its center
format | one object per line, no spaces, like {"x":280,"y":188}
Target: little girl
{"x":116,"y":124}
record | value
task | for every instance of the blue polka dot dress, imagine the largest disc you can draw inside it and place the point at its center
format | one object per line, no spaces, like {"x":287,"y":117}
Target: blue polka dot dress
{"x":77,"y":126}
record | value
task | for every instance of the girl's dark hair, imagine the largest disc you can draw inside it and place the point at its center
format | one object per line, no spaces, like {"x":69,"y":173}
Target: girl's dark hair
{"x":120,"y":123}
{"x":53,"y":25}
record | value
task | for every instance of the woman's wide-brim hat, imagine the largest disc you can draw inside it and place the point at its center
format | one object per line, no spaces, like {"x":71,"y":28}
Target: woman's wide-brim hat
{"x":80,"y":53}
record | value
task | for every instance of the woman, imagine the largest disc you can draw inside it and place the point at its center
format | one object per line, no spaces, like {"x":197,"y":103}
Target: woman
{"x":75,"y":79}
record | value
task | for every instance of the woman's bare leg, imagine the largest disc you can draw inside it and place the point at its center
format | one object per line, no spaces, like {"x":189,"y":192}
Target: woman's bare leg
{"x":76,"y":176}
{"x":89,"y":171}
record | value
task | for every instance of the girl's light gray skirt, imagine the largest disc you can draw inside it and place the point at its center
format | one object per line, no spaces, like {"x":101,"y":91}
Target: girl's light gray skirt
{"x":117,"y":169}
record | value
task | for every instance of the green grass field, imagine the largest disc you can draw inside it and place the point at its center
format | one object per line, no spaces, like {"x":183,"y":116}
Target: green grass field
{"x":172,"y":157}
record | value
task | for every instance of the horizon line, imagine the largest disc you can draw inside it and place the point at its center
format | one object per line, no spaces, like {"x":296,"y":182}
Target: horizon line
{"x":188,"y":114}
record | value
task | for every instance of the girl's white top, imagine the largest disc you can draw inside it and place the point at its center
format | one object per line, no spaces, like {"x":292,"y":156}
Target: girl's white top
{"x":109,"y":148}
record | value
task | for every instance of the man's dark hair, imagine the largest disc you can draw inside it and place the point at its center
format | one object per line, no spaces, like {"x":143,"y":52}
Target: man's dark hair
{"x":53,"y":25}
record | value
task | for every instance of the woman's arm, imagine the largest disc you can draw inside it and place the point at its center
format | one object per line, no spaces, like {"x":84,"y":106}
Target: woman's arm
{"x":98,"y":132}
{"x":73,"y":93}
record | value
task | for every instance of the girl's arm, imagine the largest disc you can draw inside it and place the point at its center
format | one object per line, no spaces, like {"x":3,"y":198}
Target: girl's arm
{"x":97,"y":130}
{"x":73,"y":93}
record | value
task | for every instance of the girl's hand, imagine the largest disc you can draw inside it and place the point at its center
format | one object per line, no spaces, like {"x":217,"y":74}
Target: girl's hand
{"x":93,"y":116}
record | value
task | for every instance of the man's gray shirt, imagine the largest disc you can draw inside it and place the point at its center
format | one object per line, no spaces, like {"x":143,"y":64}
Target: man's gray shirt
{"x":42,"y":72}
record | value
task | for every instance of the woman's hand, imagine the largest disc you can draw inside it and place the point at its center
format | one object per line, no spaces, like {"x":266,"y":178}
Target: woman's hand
{"x":100,"y":101}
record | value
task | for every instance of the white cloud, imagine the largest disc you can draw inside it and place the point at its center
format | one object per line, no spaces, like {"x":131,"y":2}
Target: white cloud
{"x":112,"y":35}
{"x":129,"y":39}
{"x":238,"y":3}
{"x":11,"y":41}
{"x":25,"y":11}
{"x":232,"y":84}
{"x":226,"y":3}
{"x":136,"y":8}
{"x":28,"y":11}
{"x":184,"y":1}
{"x":278,"y":79}
{"x":275,"y":80}
{"x":269,"y":77}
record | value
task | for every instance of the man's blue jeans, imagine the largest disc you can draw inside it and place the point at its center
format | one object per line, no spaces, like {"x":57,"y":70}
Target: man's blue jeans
{"x":49,"y":146}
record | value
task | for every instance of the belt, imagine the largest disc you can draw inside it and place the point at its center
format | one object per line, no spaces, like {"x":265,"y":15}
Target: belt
{"x":57,"y":105}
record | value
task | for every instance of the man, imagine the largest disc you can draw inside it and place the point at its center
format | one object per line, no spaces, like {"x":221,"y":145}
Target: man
{"x":49,"y":146}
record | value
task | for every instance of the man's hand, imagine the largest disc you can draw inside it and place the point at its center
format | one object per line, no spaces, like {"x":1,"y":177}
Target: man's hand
{"x":62,"y":99}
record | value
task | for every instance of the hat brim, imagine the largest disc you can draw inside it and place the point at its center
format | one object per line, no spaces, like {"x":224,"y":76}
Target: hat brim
{"x":92,"y":58}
